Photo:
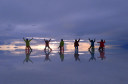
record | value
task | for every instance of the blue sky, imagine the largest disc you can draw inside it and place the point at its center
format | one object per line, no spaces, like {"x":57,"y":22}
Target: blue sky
{"x":105,"y":18}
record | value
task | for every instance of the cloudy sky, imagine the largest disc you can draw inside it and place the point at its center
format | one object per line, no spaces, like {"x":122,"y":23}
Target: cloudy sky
{"x":108,"y":18}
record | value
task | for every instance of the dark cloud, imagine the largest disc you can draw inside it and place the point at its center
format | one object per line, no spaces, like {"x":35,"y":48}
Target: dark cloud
{"x":83,"y":17}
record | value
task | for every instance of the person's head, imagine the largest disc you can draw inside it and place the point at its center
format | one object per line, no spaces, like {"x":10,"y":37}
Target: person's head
{"x":91,"y":40}
{"x":101,"y":40}
{"x":61,"y":39}
{"x":26,"y":39}
{"x":75,"y":39}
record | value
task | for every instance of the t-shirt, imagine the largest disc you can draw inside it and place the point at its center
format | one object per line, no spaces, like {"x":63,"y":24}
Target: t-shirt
{"x":61,"y":43}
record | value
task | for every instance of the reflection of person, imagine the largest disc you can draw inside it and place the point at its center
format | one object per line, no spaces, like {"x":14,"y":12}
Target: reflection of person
{"x":102,"y":53}
{"x":47,"y":44}
{"x":61,"y":53}
{"x":92,"y":52}
{"x":27,"y":56}
{"x":101,"y":44}
{"x":61,"y":46}
{"x":76,"y":43}
{"x":76,"y":55}
{"x":27,"y":43}
{"x":47,"y":53}
{"x":92,"y":43}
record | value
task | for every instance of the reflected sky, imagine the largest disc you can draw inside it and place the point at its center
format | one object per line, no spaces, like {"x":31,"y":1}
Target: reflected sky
{"x":77,"y":67}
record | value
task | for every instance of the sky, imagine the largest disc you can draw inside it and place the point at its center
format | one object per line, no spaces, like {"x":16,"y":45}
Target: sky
{"x":102,"y":18}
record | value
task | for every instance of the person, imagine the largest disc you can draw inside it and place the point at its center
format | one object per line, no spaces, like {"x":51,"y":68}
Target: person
{"x":61,"y":46}
{"x":101,"y":47}
{"x":76,"y":44}
{"x":92,"y":43}
{"x":47,"y":44}
{"x":27,"y":44}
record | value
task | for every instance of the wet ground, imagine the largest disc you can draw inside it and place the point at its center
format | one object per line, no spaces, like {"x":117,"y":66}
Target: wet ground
{"x":83,"y":67}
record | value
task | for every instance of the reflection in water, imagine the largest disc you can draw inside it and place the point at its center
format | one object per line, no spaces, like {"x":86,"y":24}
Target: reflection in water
{"x":47,"y":53}
{"x":76,"y":55}
{"x":27,"y":52}
{"x":102,"y":53}
{"x":61,"y":53}
{"x":92,"y":52}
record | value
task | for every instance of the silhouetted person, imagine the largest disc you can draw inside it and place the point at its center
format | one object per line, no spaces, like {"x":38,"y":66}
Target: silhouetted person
{"x":92,"y":43}
{"x":61,"y":53}
{"x":27,"y":44}
{"x":27,"y":56}
{"x":47,"y":55}
{"x":102,"y":53}
{"x":92,"y":52}
{"x":101,"y":47}
{"x":61,"y":46}
{"x":76,"y":55}
{"x":47,"y":44}
{"x":76,"y":43}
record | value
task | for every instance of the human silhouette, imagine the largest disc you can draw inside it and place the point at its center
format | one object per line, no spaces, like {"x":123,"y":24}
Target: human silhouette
{"x":27,"y":59}
{"x":61,"y":46}
{"x":27,"y":44}
{"x":76,"y":55}
{"x":47,"y":44}
{"x":47,"y":53}
{"x":101,"y":47}
{"x":76,"y":44}
{"x":61,"y":53}
{"x":92,"y":52}
{"x":102,"y":53}
{"x":92,"y":43}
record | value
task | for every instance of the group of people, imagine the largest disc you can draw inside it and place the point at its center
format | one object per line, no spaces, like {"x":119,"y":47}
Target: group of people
{"x":61,"y":46}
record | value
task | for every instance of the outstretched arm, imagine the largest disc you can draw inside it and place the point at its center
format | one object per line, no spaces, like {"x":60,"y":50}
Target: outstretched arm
{"x":79,"y":40}
{"x":24,"y":39}
{"x":30,"y":39}
{"x":49,"y":40}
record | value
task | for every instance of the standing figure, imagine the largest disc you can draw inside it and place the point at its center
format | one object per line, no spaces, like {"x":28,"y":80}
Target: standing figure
{"x":47,"y":44}
{"x":92,"y":43}
{"x":27,"y":44}
{"x":101,"y":47}
{"x":61,"y":46}
{"x":76,"y":44}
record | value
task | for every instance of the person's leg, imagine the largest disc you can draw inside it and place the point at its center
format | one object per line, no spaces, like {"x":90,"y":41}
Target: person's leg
{"x":45,"y":48}
{"x":99,"y":48}
{"x":49,"y":48}
{"x":89,"y":48}
{"x":30,"y":48}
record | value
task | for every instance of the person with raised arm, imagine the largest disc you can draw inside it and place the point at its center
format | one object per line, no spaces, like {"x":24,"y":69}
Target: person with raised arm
{"x":47,"y":44}
{"x":92,"y":43}
{"x":76,"y":43}
{"x":101,"y":47}
{"x":27,"y":44}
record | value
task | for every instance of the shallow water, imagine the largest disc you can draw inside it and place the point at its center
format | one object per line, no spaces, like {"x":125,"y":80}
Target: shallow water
{"x":84,"y":67}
